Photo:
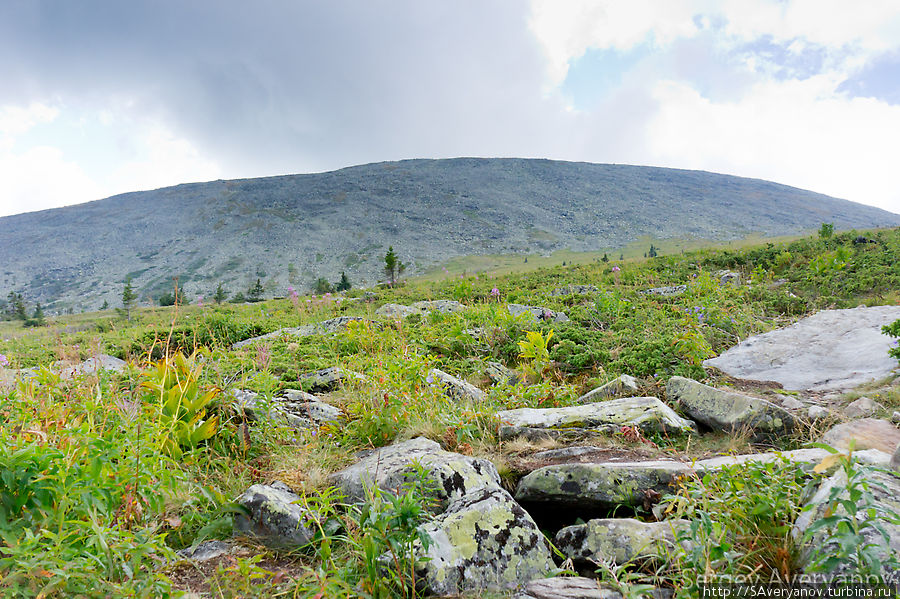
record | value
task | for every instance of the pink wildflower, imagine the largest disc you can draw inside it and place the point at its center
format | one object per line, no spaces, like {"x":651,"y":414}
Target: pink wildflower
{"x":616,"y":269}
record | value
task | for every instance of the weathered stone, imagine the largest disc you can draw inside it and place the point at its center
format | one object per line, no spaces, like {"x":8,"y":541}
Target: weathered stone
{"x":567,"y":453}
{"x":398,"y":311}
{"x":831,"y":350}
{"x":327,"y":379}
{"x":457,"y":389}
{"x":865,"y":433}
{"x":728,"y":411}
{"x":792,"y":403}
{"x":308,"y":406}
{"x":666,"y":291}
{"x":624,"y":384}
{"x":574,"y":290}
{"x":484,"y":542}
{"x":455,"y":475}
{"x":205,"y":551}
{"x":92,"y":365}
{"x":272,"y":517}
{"x":895,"y":417}
{"x":498,"y":373}
{"x":258,"y":409}
{"x":600,"y":485}
{"x":818,"y":413}
{"x":619,"y":540}
{"x":538,"y":312}
{"x":332,"y":325}
{"x":444,"y":306}
{"x":862,"y":408}
{"x":885,"y":490}
{"x":729,"y":277}
{"x":895,"y":459}
{"x":648,"y":413}
{"x":566,"y":587}
{"x":801,"y":457}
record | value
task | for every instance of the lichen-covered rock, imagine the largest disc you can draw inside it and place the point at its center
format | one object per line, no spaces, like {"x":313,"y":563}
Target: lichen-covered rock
{"x":648,"y":413}
{"x":818,"y":413}
{"x":885,"y":490}
{"x":455,"y":475}
{"x":619,"y":540}
{"x":444,"y":306}
{"x":621,"y":385}
{"x":484,"y":541}
{"x":729,"y":277}
{"x":332,"y":325}
{"x":457,"y":389}
{"x":205,"y":551}
{"x":574,"y":290}
{"x":498,"y":373}
{"x":865,"y":433}
{"x":92,"y":365}
{"x":600,"y":485}
{"x":327,"y":379}
{"x":272,"y":516}
{"x":567,"y":587}
{"x":666,"y":291}
{"x":862,"y":408}
{"x":538,"y":312}
{"x":728,"y":411}
{"x":257,"y":409}
{"x":398,"y":311}
{"x":306,"y":405}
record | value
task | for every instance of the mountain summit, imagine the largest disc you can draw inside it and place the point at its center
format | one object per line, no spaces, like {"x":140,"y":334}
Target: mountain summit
{"x":293,"y":229}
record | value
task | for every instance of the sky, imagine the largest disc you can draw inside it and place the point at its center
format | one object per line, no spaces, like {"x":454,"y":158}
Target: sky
{"x":104,"y":97}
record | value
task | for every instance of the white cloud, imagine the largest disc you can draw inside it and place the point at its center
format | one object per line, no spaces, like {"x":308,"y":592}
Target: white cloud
{"x":41,"y":178}
{"x":796,"y":132}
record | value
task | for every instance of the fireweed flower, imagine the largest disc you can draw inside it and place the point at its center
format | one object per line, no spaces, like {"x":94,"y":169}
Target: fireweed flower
{"x":495,"y":292}
{"x":4,"y":361}
{"x":616,"y":269}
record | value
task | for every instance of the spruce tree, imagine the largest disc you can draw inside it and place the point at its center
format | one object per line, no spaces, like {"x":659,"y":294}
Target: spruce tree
{"x":344,"y":284}
{"x":393,"y":267}
{"x":220,"y":295}
{"x":129,"y":298}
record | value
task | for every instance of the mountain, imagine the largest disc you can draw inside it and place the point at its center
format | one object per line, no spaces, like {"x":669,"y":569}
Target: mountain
{"x":290,"y":230}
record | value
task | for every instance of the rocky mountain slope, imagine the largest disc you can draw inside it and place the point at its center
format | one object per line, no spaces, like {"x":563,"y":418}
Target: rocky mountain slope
{"x":290,"y":230}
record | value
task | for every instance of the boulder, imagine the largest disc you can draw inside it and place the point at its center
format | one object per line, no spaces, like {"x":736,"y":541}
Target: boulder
{"x":306,"y":405}
{"x":600,"y":485}
{"x":257,"y":409}
{"x":457,"y":389}
{"x":832,"y":350}
{"x":272,"y":516}
{"x":792,"y":403}
{"x":498,"y":373}
{"x":818,"y":413}
{"x":566,"y":587}
{"x":484,"y":542}
{"x":648,"y":413}
{"x":862,"y":408}
{"x":670,"y":291}
{"x":728,"y":277}
{"x":538,"y":312}
{"x":332,"y":325}
{"x":205,"y":551}
{"x":619,"y":540}
{"x":398,"y":311}
{"x":92,"y":365}
{"x":574,"y":290}
{"x":866,"y":433}
{"x":624,"y":384}
{"x":327,"y":379}
{"x":443,"y":306}
{"x":728,"y":411}
{"x":454,"y":475}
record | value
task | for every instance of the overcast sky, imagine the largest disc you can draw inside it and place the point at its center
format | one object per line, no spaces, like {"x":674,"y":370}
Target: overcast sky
{"x":103,"y":97}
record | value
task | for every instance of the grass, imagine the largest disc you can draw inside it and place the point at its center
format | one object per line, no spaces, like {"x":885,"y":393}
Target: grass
{"x":102,"y":481}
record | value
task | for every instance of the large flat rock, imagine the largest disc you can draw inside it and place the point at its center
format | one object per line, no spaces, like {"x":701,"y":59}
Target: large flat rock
{"x":832,"y":350}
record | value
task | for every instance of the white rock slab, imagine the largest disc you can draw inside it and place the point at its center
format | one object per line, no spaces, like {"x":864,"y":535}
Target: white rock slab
{"x":833,"y":350}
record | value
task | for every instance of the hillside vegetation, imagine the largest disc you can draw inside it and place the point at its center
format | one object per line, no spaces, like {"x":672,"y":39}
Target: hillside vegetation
{"x":294,"y":229}
{"x":106,"y":475}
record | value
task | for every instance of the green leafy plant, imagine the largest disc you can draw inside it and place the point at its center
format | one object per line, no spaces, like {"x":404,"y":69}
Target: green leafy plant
{"x":893,"y":330}
{"x":534,"y":352}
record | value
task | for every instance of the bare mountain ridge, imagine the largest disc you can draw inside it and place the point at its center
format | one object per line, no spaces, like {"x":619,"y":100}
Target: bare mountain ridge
{"x":290,"y":230}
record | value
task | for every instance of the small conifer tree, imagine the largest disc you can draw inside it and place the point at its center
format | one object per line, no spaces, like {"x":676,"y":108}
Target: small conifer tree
{"x":393,"y":267}
{"x":344,"y":284}
{"x":254,"y":294}
{"x":129,"y":298}
{"x":220,"y":295}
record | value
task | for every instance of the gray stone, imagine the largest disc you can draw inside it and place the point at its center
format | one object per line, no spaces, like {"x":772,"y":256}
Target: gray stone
{"x":862,"y":408}
{"x":567,"y":453}
{"x":574,"y":290}
{"x":648,"y":413}
{"x":272,"y":516}
{"x":258,"y":409}
{"x":484,"y":542}
{"x":895,"y":460}
{"x":728,"y":411}
{"x":865,"y":433}
{"x":818,"y":413}
{"x":92,"y":365}
{"x":600,"y":485}
{"x":498,"y":373}
{"x":895,"y":417}
{"x":624,"y":384}
{"x":443,"y":306}
{"x":398,"y":311}
{"x":792,"y":403}
{"x":457,"y":389}
{"x":670,"y":291}
{"x":455,"y":475}
{"x":538,"y":312}
{"x":332,"y":325}
{"x":306,"y":405}
{"x":729,"y":277}
{"x":566,"y":587}
{"x":327,"y":379}
{"x":619,"y":540}
{"x":832,"y":350}
{"x":885,"y":489}
{"x":205,"y":551}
